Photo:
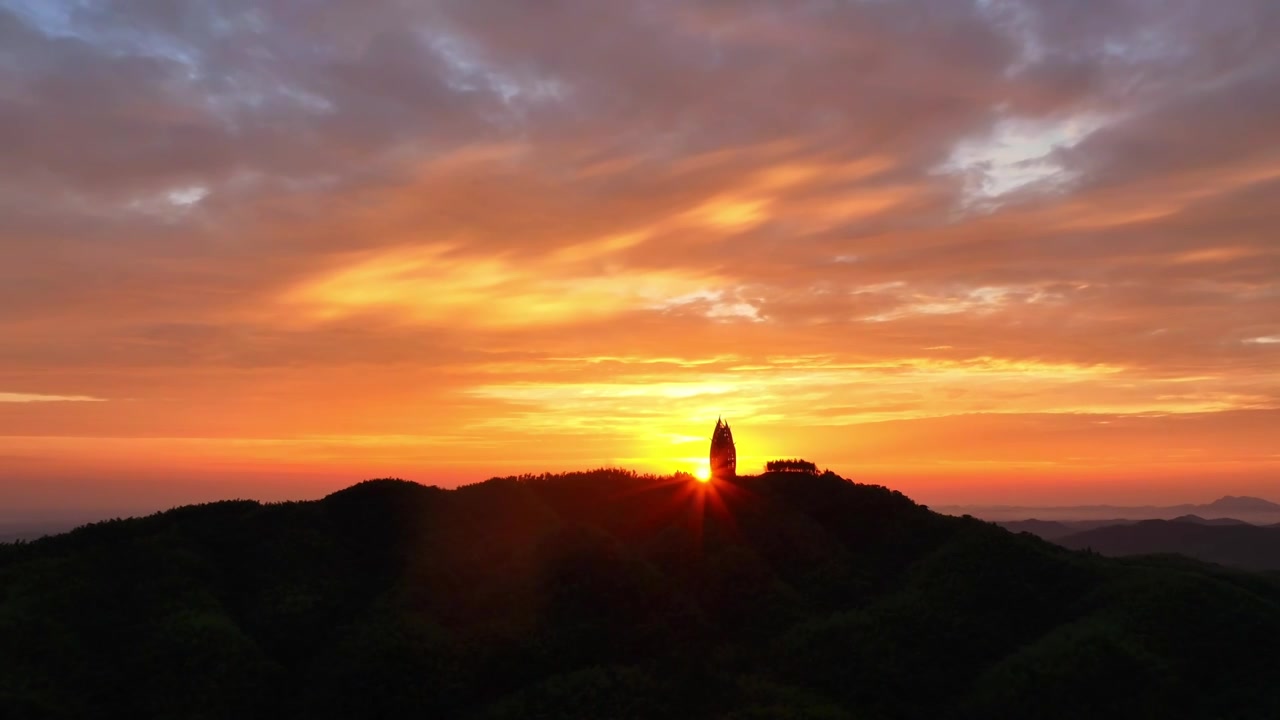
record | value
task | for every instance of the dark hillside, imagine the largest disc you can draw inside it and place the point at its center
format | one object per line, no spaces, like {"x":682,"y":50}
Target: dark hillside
{"x":614,"y":595}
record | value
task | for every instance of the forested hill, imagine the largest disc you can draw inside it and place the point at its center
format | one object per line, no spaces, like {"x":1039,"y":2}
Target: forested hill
{"x":612,"y":595}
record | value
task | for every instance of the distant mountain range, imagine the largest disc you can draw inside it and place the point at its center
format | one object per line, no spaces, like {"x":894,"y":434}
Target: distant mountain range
{"x":1242,"y":504}
{"x":1056,"y":529}
{"x":1197,"y":520}
{"x":11,"y":530}
{"x":1252,"y":510}
{"x":1250,"y":540}
{"x":1234,"y":543}
{"x":1053,"y":529}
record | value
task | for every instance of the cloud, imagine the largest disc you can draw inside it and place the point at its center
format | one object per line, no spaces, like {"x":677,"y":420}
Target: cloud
{"x":6,"y":397}
{"x":426,"y":284}
{"x":996,"y":206}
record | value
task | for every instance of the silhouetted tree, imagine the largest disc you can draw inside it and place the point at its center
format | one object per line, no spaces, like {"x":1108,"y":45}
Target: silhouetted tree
{"x":791,"y":466}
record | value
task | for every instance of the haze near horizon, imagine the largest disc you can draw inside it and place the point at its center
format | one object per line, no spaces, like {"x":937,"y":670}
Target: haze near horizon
{"x":999,"y":251}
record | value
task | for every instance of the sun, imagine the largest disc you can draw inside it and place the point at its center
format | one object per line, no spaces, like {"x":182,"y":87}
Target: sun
{"x":702,"y":473}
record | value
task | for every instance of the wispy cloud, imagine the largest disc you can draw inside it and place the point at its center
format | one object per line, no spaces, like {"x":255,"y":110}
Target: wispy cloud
{"x":37,"y":398}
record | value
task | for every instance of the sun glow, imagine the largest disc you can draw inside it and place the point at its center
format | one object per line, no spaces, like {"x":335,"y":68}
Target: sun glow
{"x":703,"y":472}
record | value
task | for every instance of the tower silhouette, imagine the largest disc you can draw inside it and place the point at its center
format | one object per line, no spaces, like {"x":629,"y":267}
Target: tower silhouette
{"x":724,"y":455}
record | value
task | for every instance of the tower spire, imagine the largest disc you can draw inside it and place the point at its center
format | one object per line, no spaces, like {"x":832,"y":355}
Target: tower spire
{"x":724,"y":454}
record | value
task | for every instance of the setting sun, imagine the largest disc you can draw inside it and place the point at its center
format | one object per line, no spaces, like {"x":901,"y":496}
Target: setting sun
{"x":702,"y":473}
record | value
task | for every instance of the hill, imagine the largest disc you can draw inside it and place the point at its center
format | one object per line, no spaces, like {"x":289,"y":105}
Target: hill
{"x":1052,"y":530}
{"x":1196,"y":519}
{"x":1243,"y":504}
{"x":614,"y":595}
{"x":1047,"y":529}
{"x":1228,"y":543}
{"x":1056,"y":530}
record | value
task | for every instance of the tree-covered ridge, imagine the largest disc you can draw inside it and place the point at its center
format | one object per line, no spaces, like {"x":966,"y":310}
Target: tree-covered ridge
{"x":610,"y":594}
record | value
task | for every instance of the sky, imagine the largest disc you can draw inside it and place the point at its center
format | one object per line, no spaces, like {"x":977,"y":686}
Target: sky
{"x":999,"y":250}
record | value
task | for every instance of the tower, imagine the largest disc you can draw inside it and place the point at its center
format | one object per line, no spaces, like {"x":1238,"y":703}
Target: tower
{"x":724,"y":456}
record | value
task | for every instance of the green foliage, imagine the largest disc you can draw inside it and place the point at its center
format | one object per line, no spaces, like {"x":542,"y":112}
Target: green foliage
{"x":610,"y":594}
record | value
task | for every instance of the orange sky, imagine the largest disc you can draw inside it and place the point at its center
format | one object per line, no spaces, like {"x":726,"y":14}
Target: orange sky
{"x":1001,"y":251}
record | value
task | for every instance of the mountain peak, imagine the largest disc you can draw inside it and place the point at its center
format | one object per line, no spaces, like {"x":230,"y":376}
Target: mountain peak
{"x":1243,"y":503}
